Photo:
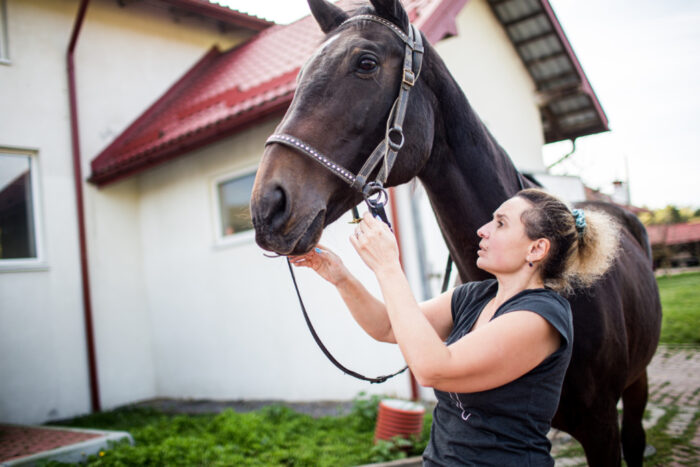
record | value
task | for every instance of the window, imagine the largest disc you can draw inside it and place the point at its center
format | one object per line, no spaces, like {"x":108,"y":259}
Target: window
{"x":233,"y":195}
{"x":18,"y":212}
{"x":4,"y":48}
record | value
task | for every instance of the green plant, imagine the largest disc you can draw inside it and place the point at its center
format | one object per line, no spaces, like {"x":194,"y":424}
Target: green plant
{"x":364,"y":410}
{"x":274,"y":435}
{"x":396,"y":448}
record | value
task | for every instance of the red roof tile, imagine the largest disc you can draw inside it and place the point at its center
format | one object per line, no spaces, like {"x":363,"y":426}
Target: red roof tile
{"x":674,"y":234}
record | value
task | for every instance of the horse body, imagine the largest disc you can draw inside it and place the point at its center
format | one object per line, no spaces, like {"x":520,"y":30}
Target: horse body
{"x":466,"y":175}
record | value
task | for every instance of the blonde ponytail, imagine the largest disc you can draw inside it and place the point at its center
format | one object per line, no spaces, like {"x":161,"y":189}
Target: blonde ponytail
{"x":580,"y":252}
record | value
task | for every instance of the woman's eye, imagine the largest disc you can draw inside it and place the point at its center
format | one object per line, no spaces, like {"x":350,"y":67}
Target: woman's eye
{"x":500,"y":223}
{"x":367,"y":64}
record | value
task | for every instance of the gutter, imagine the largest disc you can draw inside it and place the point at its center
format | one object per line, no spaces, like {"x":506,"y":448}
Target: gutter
{"x":78,"y":178}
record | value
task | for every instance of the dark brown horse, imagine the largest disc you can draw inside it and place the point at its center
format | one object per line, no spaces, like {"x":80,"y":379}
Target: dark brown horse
{"x":343,"y":99}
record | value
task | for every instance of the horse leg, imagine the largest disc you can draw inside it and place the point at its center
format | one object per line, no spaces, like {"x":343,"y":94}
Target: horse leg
{"x":634,"y":400}
{"x":599,"y":434}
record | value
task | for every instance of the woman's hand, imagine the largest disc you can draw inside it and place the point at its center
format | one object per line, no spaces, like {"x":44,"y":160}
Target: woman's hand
{"x":326,"y":264}
{"x":375,"y":243}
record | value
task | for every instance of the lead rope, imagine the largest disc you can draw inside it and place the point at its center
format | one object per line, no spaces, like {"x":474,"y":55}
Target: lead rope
{"x":376,"y":208}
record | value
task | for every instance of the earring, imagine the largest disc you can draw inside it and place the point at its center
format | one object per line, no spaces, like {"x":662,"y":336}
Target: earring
{"x":530,"y":263}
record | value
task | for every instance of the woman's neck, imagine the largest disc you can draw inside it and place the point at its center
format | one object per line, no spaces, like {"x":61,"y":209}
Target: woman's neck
{"x":510,"y":285}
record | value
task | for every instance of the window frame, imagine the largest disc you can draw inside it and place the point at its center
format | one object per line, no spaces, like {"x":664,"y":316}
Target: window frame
{"x":4,"y":35}
{"x":220,"y":240}
{"x":38,"y":263}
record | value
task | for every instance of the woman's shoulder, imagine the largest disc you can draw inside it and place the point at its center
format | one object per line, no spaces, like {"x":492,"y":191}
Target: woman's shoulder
{"x":546,"y":303}
{"x":472,"y":292}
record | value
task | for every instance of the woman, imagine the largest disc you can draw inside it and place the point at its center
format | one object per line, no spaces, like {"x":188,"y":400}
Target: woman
{"x":495,"y":351}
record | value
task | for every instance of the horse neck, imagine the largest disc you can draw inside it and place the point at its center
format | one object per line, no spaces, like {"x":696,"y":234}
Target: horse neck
{"x":468,"y":175}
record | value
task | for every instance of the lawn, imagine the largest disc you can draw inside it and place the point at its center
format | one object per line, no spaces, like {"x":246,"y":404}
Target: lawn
{"x":277,"y":435}
{"x":680,"y":300}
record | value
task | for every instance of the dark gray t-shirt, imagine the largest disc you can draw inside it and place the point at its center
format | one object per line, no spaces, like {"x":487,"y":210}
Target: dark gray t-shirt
{"x":505,"y":426}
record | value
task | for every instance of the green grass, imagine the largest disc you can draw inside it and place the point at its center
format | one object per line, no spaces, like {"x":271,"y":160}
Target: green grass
{"x":274,"y":435}
{"x":680,"y":300}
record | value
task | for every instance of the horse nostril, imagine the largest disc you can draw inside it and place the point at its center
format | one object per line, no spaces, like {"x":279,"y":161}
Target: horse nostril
{"x":276,"y":208}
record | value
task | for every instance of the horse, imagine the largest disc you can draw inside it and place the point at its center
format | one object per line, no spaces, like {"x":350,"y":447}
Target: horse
{"x":345,"y":94}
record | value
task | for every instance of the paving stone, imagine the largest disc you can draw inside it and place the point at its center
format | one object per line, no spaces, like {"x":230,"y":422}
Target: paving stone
{"x":570,"y":462}
{"x":679,"y":423}
{"x":655,"y":413}
{"x":695,"y":441}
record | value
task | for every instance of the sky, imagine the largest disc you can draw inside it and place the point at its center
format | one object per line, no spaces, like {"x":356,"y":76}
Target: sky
{"x":642,"y":59}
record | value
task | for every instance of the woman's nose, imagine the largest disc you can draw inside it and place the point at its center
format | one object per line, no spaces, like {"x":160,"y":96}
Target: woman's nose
{"x":482,"y":231}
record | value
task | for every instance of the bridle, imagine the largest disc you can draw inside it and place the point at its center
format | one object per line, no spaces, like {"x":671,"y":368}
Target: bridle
{"x":386,"y":151}
{"x":373,"y":191}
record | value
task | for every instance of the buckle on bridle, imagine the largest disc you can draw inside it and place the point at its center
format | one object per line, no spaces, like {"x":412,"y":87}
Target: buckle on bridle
{"x":375,"y":195}
{"x":409,"y":77}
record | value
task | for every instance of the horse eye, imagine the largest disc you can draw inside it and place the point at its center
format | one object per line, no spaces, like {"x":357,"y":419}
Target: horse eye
{"x":367,"y":64}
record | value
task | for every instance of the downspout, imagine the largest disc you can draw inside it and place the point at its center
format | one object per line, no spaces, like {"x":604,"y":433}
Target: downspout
{"x":78,"y":177}
{"x":415,"y":394}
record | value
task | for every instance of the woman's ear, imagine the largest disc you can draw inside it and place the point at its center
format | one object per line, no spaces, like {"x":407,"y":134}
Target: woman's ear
{"x":538,"y":249}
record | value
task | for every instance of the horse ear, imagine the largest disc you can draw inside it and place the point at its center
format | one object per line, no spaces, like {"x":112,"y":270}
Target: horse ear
{"x":327,"y":15}
{"x":393,"y":11}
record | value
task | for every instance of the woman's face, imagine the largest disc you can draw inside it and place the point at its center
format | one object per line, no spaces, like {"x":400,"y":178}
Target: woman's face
{"x":504,"y":245}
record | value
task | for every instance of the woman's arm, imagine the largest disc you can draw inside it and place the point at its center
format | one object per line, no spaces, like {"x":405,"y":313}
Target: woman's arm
{"x":494,"y":354}
{"x":369,"y":312}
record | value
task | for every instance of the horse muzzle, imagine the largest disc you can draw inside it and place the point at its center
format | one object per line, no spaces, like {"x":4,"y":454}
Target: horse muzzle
{"x":283,"y":224}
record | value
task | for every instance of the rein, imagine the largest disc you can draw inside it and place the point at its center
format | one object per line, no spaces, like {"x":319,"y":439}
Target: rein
{"x":373,"y":192}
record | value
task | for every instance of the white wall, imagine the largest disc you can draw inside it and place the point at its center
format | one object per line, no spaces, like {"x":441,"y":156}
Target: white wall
{"x":126,"y":58}
{"x":227,"y":322}
{"x":43,"y":364}
{"x":485,"y":64}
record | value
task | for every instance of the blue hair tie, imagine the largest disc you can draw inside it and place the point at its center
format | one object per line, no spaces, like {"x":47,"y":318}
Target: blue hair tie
{"x":580,"y":219}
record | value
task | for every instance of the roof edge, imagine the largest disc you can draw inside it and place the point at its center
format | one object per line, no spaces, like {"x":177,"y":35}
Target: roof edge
{"x":222,"y":13}
{"x":442,"y":20}
{"x":161,"y":103}
{"x":201,"y":138}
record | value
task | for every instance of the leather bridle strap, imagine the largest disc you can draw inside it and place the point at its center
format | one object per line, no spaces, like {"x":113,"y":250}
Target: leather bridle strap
{"x":388,"y":148}
{"x":340,"y":366}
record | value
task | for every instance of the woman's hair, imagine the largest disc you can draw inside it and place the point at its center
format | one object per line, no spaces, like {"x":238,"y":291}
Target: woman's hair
{"x":577,"y":256}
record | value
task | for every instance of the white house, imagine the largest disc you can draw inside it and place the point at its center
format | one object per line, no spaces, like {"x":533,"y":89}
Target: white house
{"x":173,"y":100}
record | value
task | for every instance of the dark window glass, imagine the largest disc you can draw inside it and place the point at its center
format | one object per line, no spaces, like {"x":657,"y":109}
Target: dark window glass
{"x":234,"y":201}
{"x":17,"y":235}
{"x":4,"y":49}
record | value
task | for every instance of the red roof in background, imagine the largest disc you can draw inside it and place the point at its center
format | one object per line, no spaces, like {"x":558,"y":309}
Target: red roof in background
{"x":674,"y":234}
{"x":228,"y":91}
{"x":221,"y":13}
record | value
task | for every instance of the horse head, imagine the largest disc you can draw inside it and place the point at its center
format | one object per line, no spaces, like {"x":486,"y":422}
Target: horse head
{"x":343,"y":99}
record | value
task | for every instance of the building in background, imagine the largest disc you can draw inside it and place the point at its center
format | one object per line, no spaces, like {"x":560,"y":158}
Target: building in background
{"x":175,"y":99}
